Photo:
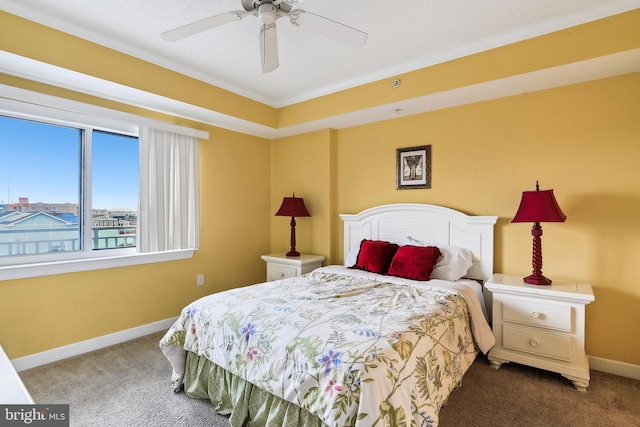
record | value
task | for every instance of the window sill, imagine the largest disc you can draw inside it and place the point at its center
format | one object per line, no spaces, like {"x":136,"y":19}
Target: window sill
{"x":24,"y":271}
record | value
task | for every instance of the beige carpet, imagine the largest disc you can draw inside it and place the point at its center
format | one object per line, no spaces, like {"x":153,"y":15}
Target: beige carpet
{"x":128,"y":385}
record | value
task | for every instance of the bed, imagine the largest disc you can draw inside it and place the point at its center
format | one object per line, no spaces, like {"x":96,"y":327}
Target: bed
{"x":370,"y":342}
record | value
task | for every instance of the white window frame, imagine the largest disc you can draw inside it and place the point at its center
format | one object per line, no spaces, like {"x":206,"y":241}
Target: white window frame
{"x":34,"y":106}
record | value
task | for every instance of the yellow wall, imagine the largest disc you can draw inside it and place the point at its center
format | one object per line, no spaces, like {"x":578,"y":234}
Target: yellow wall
{"x":310,"y":180}
{"x":28,"y":39}
{"x":47,"y":312}
{"x":581,"y":140}
{"x":43,"y":313}
{"x":607,"y":36}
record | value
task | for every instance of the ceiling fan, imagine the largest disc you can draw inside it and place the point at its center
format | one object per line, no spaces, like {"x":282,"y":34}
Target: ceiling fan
{"x":269,"y":11}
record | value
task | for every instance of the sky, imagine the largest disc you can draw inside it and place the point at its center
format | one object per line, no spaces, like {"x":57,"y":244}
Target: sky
{"x":42,"y":162}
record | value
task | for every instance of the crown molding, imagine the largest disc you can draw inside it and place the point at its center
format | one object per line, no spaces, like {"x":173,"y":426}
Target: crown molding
{"x":578,"y":72}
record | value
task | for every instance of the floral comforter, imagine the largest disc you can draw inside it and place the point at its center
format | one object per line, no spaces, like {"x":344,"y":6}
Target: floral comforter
{"x":351,"y":347}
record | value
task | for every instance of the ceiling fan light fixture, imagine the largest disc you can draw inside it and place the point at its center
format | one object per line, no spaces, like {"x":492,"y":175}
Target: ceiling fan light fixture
{"x":268,"y":13}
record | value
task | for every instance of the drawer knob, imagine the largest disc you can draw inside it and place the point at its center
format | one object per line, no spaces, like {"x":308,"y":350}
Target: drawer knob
{"x":534,"y":342}
{"x":281,"y":274}
{"x":535,"y":314}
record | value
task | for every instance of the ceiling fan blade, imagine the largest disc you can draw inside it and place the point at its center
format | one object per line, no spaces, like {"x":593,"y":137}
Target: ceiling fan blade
{"x":269,"y":47}
{"x":202,"y":25}
{"x":328,"y":28}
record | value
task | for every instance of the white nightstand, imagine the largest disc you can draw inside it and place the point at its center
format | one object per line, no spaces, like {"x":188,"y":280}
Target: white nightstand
{"x":280,"y":266}
{"x":541,"y":326}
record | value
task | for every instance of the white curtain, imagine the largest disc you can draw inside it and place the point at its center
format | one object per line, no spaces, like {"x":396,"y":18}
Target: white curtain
{"x":169,"y":211}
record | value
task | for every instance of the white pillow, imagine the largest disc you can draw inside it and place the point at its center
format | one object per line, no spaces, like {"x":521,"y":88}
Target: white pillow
{"x":452,"y":265}
{"x":352,"y":256}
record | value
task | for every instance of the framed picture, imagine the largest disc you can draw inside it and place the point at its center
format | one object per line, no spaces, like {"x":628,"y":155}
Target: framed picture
{"x":413,"y":167}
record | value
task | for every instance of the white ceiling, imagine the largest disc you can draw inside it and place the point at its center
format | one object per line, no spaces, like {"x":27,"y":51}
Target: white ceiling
{"x":404,"y":35}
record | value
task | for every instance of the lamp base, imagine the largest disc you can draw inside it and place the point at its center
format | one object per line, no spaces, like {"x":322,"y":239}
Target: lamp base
{"x":293,"y":253}
{"x":537,"y":279}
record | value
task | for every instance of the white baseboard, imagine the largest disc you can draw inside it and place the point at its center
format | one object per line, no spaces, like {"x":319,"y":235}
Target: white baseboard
{"x":53,"y":355}
{"x":614,"y":367}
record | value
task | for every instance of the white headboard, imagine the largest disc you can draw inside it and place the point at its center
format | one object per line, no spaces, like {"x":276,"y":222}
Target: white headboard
{"x":429,"y":223}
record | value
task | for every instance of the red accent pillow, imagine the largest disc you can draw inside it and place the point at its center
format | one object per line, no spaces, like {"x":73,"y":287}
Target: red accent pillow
{"x":414,"y":262}
{"x":375,"y":256}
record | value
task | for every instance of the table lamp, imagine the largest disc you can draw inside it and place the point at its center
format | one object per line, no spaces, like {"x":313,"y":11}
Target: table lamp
{"x":293,"y":207}
{"x":538,"y":206}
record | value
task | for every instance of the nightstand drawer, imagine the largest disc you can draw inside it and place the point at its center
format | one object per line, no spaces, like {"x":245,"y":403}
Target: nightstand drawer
{"x":536,"y":342}
{"x":276,"y":272}
{"x":281,"y":266}
{"x":537,"y":314}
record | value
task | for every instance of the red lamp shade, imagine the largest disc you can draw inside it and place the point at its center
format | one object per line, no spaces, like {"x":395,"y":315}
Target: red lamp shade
{"x":293,"y":207}
{"x":538,"y":206}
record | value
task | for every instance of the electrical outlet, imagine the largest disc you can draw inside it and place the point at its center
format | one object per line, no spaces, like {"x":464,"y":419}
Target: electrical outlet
{"x":200,"y":280}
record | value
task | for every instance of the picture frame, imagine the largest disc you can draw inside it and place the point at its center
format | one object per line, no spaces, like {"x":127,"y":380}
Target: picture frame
{"x":413,"y":167}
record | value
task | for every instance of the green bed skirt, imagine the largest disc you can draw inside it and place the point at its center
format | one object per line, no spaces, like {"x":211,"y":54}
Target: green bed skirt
{"x":245,"y":404}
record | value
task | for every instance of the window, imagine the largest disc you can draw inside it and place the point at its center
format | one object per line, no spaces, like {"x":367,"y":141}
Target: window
{"x":114,"y":183}
{"x":73,"y":174}
{"x":48,"y":195}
